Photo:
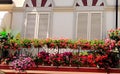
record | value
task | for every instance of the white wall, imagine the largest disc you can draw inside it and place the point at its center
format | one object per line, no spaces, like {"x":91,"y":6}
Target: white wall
{"x":111,"y":2}
{"x":63,"y":2}
{"x":5,"y":20}
{"x":18,"y":3}
{"x":119,"y":19}
{"x":2,"y":14}
{"x":110,"y":20}
{"x":17,"y":21}
{"x":63,"y":24}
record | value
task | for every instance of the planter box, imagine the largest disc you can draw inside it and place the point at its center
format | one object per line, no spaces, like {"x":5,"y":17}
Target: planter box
{"x":69,"y":69}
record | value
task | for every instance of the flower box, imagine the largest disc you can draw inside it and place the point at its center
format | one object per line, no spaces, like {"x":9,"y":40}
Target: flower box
{"x":68,"y":69}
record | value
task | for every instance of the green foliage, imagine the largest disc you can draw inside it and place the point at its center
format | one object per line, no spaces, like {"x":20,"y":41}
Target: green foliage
{"x":83,"y":53}
{"x":3,"y":34}
{"x":26,"y":43}
{"x":114,"y":34}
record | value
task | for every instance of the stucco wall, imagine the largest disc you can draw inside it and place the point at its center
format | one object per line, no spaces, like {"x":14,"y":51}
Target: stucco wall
{"x":119,"y":19}
{"x":110,"y":19}
{"x":17,"y":21}
{"x":5,"y":20}
{"x":63,"y":24}
{"x":18,"y":3}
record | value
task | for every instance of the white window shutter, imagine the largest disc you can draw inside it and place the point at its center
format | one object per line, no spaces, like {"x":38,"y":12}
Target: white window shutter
{"x":30,"y":26}
{"x":43,"y":26}
{"x":95,"y":26}
{"x":82,"y":25}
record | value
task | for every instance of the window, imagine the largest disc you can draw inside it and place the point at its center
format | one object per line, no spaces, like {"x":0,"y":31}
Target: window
{"x":89,"y":25}
{"x":37,"y":25}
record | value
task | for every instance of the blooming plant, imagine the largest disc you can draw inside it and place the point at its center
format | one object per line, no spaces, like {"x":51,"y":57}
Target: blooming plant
{"x":26,"y":43}
{"x":50,"y":43}
{"x":72,"y":44}
{"x":42,"y":57}
{"x":63,"y":43}
{"x":103,"y":53}
{"x":22,"y":63}
{"x":67,"y":58}
{"x":37,"y":43}
{"x":91,"y":60}
{"x":15,"y":44}
{"x":57,"y":59}
{"x":84,"y":44}
{"x":76,"y":61}
{"x":95,"y":44}
{"x":114,"y":34}
{"x":102,"y":61}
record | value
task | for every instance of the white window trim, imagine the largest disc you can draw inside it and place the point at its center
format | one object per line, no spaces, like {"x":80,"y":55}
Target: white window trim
{"x":92,"y":8}
{"x":38,"y":9}
{"x":89,"y":23}
{"x":37,"y":23}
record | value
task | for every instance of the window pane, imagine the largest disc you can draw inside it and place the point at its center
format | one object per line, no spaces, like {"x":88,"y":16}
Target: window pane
{"x":95,"y":26}
{"x":82,"y":25}
{"x":43,"y":26}
{"x":30,"y":28}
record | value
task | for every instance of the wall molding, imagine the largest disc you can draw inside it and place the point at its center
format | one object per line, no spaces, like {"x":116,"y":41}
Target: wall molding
{"x":18,"y":9}
{"x":63,"y":9}
{"x":111,"y":8}
{"x":6,"y":7}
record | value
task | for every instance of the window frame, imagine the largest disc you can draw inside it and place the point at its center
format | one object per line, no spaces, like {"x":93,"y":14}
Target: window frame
{"x":89,"y":23}
{"x":37,"y":23}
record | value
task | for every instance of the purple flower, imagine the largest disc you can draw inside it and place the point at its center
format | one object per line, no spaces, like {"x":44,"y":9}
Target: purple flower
{"x":22,"y":63}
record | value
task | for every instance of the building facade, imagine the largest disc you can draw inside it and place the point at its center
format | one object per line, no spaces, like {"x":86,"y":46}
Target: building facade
{"x":74,"y":19}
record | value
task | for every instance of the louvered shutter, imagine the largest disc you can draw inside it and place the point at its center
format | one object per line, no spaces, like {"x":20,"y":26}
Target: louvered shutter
{"x":43,"y":26}
{"x":95,"y":26}
{"x":30,"y":27}
{"x":82,"y":25}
